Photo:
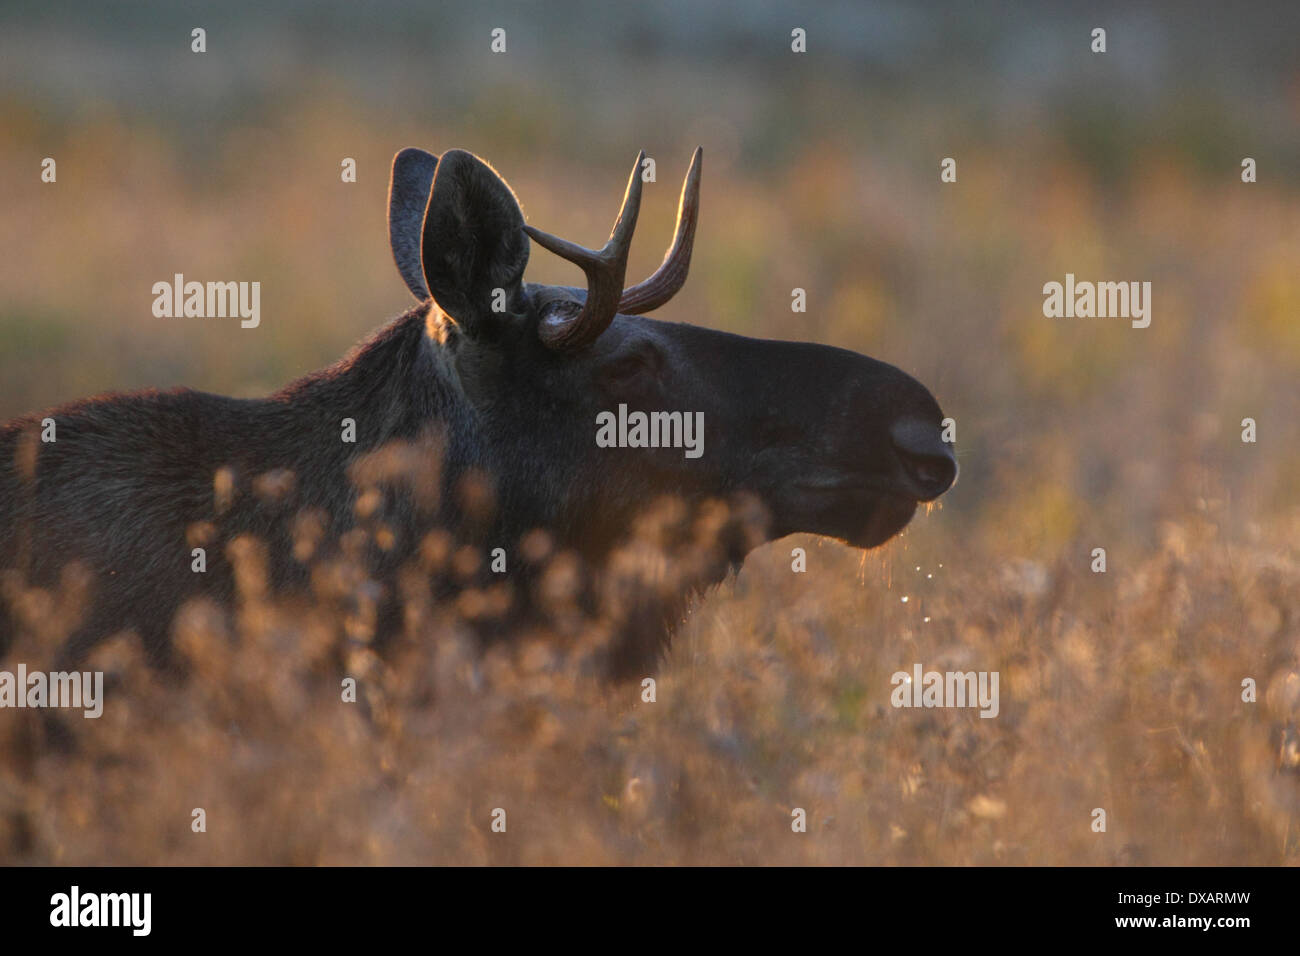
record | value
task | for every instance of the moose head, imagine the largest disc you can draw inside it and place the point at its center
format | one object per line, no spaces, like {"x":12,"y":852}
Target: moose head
{"x":829,"y":441}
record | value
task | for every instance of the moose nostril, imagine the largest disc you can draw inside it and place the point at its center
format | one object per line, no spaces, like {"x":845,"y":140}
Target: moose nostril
{"x":927,"y":460}
{"x":933,"y":473}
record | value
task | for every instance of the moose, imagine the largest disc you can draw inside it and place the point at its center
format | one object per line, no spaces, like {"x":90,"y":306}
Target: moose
{"x":493,"y":387}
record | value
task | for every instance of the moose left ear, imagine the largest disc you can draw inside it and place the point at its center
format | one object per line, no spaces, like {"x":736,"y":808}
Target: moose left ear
{"x":473,"y":242}
{"x":408,"y":194}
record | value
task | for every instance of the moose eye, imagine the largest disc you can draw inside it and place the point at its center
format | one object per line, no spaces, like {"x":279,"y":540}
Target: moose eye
{"x":632,"y":368}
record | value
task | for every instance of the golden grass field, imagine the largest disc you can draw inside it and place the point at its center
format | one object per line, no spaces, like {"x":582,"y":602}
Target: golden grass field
{"x":1120,"y":690}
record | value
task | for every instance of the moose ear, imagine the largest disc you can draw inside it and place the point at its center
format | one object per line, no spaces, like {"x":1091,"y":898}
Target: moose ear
{"x":473,"y":242}
{"x":408,"y":194}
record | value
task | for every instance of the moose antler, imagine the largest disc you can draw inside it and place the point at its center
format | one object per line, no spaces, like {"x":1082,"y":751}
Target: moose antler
{"x":605,"y":269}
{"x":671,"y":275}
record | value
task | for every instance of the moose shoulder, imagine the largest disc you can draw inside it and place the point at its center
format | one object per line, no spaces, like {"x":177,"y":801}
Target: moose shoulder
{"x":460,"y":441}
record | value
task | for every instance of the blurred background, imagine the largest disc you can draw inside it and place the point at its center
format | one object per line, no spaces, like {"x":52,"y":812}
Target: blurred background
{"x":821,"y":172}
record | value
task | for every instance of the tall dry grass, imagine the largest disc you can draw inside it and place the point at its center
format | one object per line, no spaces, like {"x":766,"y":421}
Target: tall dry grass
{"x":1120,"y":691}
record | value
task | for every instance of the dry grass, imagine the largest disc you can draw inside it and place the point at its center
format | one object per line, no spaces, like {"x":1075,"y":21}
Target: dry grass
{"x":1120,"y":691}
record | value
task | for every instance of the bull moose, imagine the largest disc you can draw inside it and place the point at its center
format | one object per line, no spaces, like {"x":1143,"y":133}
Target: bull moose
{"x":493,"y":386}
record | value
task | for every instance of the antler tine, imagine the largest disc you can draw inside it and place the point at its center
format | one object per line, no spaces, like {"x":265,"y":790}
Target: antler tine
{"x":605,"y":270}
{"x":671,"y":274}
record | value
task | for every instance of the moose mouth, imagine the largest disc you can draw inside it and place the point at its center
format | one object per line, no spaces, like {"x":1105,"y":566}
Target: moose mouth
{"x":867,"y":508}
{"x":889,"y":516}
{"x":861,"y":516}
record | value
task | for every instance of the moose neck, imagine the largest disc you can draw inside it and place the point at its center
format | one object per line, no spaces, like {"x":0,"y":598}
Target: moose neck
{"x":387,"y":385}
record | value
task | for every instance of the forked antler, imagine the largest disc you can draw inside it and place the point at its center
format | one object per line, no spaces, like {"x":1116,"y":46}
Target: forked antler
{"x":606,"y":269}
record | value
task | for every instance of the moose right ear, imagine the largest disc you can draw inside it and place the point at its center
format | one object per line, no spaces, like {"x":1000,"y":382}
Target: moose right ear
{"x":473,"y":242}
{"x":408,"y":194}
